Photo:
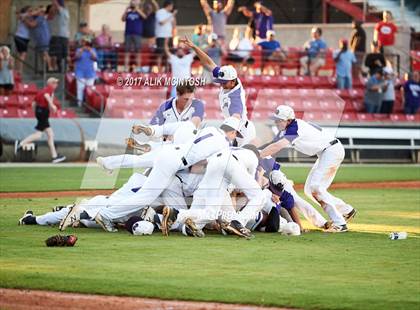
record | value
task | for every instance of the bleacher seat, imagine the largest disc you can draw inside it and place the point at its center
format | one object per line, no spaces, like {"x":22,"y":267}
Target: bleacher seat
{"x":26,"y":89}
{"x":9,"y":101}
{"x":9,"y":112}
{"x":26,"y":113}
{"x":26,"y":100}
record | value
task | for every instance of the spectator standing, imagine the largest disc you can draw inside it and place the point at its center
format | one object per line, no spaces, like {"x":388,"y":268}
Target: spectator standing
{"x":217,"y":17}
{"x":133,"y":18}
{"x":84,"y":68}
{"x":358,"y":44}
{"x":60,"y":33}
{"x":315,"y":53}
{"x":388,"y":98}
{"x":6,"y":71}
{"x":165,"y":27}
{"x":150,"y":7}
{"x":344,"y":59}
{"x":375,"y":60}
{"x":22,"y":35}
{"x":43,"y":103}
{"x":411,"y":93}
{"x":261,"y":20}
{"x":180,"y":65}
{"x":384,"y":34}
{"x":41,"y":34}
{"x":199,"y":37}
{"x":106,"y":55}
{"x":374,"y":92}
{"x":84,"y":32}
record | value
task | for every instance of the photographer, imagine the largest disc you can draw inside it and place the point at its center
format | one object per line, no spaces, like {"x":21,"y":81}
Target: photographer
{"x":84,"y":68}
{"x":344,"y":59}
{"x":133,"y":18}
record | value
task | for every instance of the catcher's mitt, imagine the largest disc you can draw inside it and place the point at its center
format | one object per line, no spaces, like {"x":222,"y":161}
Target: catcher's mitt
{"x":59,"y":240}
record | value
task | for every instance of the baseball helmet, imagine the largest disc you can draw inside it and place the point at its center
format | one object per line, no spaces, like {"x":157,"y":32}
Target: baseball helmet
{"x":277,"y":180}
{"x":232,"y":123}
{"x":291,"y":228}
{"x":283,"y":112}
{"x":130,"y":222}
{"x":225,"y":74}
{"x":143,"y":228}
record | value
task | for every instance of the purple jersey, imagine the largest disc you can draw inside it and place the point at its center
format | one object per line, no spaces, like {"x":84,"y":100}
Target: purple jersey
{"x":167,"y":112}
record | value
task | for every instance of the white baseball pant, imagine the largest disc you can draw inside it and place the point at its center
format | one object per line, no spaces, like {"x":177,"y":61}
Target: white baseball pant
{"x":320,"y":178}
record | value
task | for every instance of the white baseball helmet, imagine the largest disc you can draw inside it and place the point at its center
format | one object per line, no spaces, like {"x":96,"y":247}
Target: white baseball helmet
{"x":143,"y":228}
{"x":225,"y":74}
{"x":291,"y":228}
{"x":284,"y":112}
{"x":233,"y":123}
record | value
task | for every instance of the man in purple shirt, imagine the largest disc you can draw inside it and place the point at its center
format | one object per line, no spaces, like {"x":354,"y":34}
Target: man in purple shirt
{"x":133,"y":18}
{"x":261,"y":18}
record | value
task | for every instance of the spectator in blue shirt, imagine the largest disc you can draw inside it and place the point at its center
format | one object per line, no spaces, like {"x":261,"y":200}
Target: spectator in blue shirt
{"x":41,"y":33}
{"x":344,"y":59}
{"x":133,"y":18}
{"x":261,"y":19}
{"x":315,"y":53}
{"x":84,"y":68}
{"x":411,"y":94}
{"x":272,"y":51}
{"x":374,"y":92}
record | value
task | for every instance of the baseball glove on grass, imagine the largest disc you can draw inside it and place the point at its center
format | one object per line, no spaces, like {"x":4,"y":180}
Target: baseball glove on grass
{"x":59,"y":240}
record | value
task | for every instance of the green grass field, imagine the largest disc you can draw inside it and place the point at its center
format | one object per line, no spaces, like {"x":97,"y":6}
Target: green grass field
{"x":361,"y":269}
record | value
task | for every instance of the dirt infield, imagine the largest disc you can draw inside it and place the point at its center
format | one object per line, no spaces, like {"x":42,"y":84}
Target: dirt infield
{"x":12,"y":299}
{"x":356,"y":185}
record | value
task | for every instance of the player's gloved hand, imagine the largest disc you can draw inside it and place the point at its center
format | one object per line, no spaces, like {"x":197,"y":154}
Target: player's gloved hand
{"x":59,"y":240}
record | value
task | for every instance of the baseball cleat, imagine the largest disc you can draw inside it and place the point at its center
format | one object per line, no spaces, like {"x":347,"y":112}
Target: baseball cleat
{"x":148,"y":214}
{"x":106,"y":224}
{"x":24,"y":220}
{"x":147,"y":130}
{"x":236,"y":228}
{"x":192,"y":230}
{"x":349,"y":216}
{"x":100,"y":162}
{"x":71,"y":218}
{"x":337,"y":229}
{"x":327,"y":225}
{"x":169,"y":217}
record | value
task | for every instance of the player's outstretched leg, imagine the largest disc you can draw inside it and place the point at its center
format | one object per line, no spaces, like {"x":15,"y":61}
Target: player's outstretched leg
{"x":169,"y":217}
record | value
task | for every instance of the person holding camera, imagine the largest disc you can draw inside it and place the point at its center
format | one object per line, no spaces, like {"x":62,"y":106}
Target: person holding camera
{"x":375,"y":87}
{"x":344,"y":59}
{"x":133,"y":18}
{"x":165,"y":29}
{"x":84,"y":67}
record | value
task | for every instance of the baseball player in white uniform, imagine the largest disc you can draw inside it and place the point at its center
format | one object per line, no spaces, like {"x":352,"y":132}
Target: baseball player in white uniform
{"x":311,"y":140}
{"x":232,"y":98}
{"x":212,"y":199}
{"x":207,"y":142}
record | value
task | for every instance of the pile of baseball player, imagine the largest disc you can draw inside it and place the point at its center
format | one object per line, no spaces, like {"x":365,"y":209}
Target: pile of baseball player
{"x":200,"y":178}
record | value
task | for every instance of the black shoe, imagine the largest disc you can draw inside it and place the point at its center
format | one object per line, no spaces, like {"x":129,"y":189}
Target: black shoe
{"x":27,"y":219}
{"x":169,"y":217}
{"x":236,"y":228}
{"x":348,"y":217}
{"x":190,"y":229}
{"x":58,"y":159}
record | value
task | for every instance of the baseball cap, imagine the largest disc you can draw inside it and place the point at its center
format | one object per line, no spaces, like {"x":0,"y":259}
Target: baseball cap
{"x":213,"y":36}
{"x":387,"y":70}
{"x":233,"y":123}
{"x":52,"y":80}
{"x":224,"y":74}
{"x":143,"y":228}
{"x":270,"y":33}
{"x":283,"y":112}
{"x":277,"y":180}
